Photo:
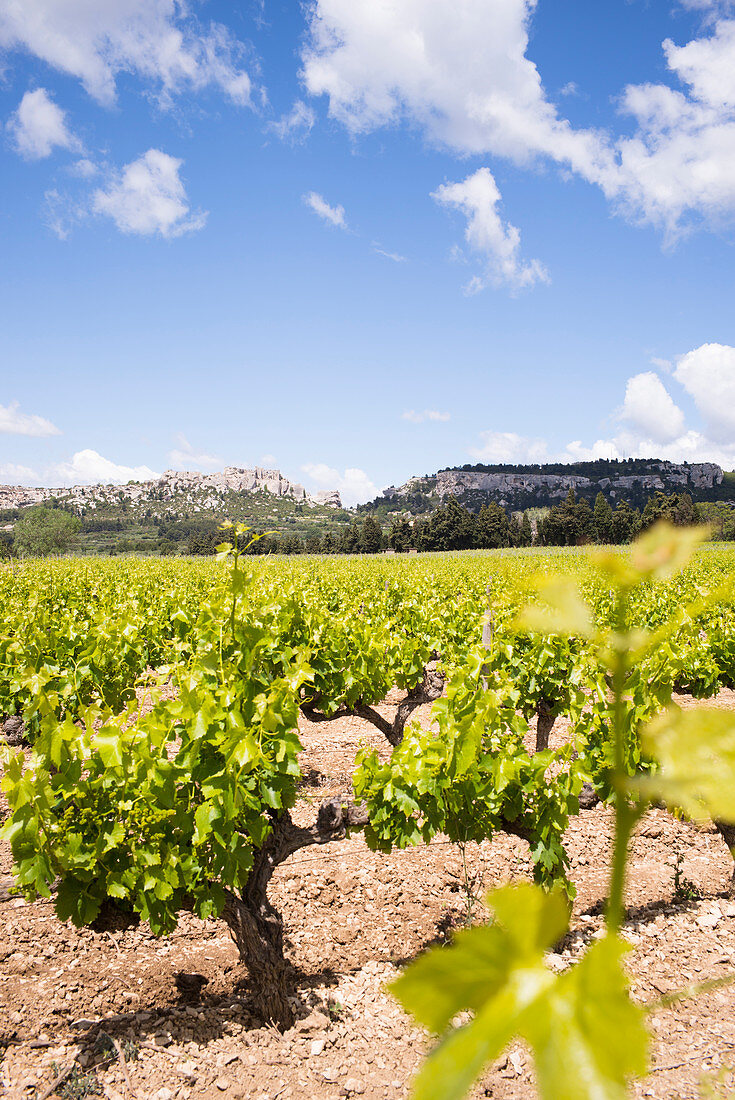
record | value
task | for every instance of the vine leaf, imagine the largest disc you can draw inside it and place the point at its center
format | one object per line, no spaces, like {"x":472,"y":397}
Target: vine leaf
{"x":586,"y":1035}
{"x":696,"y":753}
{"x":565,"y":611}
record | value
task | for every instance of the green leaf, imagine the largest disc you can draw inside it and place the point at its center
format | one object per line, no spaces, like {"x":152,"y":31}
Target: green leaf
{"x":565,"y":613}
{"x":586,"y":1035}
{"x":108,"y":744}
{"x":73,"y":902}
{"x":205,"y":816}
{"x":495,"y":971}
{"x":696,"y":753}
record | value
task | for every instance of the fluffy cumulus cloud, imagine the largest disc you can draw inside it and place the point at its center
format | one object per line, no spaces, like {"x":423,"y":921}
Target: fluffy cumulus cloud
{"x":335,"y":215}
{"x":14,"y":422}
{"x":148,"y":197}
{"x":679,"y":164}
{"x":159,"y":41}
{"x":650,"y":423}
{"x":13,"y":474}
{"x":39,"y":126}
{"x":649,"y":407}
{"x":498,"y":242}
{"x":354,"y":485}
{"x":417,"y":417}
{"x":461,"y":73}
{"x":708,"y":375}
{"x":89,"y":467}
{"x":185,"y":457}
{"x":509,"y":447}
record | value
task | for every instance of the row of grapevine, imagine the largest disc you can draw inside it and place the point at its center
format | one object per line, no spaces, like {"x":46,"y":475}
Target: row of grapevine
{"x":186,"y":806}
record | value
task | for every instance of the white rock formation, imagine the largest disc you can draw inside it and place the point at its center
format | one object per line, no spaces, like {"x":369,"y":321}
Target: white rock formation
{"x":172,"y":484}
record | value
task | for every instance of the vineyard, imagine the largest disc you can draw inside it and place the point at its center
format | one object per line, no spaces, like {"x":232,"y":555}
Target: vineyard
{"x":244,"y":795}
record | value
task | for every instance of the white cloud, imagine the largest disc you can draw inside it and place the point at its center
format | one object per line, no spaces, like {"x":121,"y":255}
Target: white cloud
{"x":708,"y":5}
{"x":13,"y":474}
{"x":335,"y":215}
{"x":662,"y":364}
{"x":39,"y":126}
{"x":355,"y":487}
{"x":85,"y":168}
{"x":297,"y":124}
{"x":509,"y":447}
{"x":690,"y":446}
{"x":706,"y":64}
{"x":89,"y":467}
{"x":159,"y":41}
{"x":708,"y":374}
{"x":498,"y":242}
{"x":651,"y":424}
{"x":148,"y":197}
{"x":460,"y":73}
{"x":268,"y":460}
{"x":427,"y":414}
{"x":14,"y":422}
{"x":184,"y":457}
{"x":601,"y":448}
{"x":61,"y":212}
{"x":650,"y":408}
{"x":394,"y":256}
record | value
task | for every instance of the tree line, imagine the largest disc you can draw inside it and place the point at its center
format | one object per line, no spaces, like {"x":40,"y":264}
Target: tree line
{"x":571,"y":522}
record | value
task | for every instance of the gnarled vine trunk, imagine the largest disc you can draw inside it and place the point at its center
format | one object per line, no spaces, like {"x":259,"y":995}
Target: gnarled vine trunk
{"x":255,"y":924}
{"x":257,"y":929}
{"x":545,"y":719}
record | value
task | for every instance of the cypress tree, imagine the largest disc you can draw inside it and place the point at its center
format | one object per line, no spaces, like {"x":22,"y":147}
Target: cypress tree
{"x":371,"y":536}
{"x":603,"y":519}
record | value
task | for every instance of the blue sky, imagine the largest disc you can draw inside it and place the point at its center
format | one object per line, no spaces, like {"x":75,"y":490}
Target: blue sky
{"x":364,"y":239}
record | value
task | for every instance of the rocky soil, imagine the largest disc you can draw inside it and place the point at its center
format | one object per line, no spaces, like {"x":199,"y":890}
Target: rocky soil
{"x":127,"y":1014}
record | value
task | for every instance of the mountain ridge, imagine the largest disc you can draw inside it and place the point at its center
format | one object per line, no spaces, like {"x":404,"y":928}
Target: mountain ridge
{"x":519,"y":486}
{"x":170,"y":485}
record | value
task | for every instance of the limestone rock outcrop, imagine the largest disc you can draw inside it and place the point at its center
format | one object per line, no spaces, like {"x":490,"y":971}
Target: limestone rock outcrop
{"x":203,"y":490}
{"x":521,"y":488}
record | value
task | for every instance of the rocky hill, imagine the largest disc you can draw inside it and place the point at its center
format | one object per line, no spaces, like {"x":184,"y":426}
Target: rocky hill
{"x":199,"y":492}
{"x":520,"y":487}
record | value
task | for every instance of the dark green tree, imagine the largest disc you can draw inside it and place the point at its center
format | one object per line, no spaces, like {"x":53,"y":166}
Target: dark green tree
{"x":450,"y":527}
{"x":603,"y":519}
{"x":584,"y":523}
{"x":419,"y":533}
{"x":678,"y":509}
{"x":292,"y":545}
{"x":626,"y":523}
{"x":371,"y":536}
{"x":568,"y":524}
{"x":400,"y":535}
{"x":349,"y":542}
{"x":329,"y":543}
{"x":492,"y":528}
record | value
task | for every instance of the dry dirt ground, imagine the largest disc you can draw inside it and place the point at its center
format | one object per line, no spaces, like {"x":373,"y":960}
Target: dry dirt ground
{"x":109,"y":1003}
